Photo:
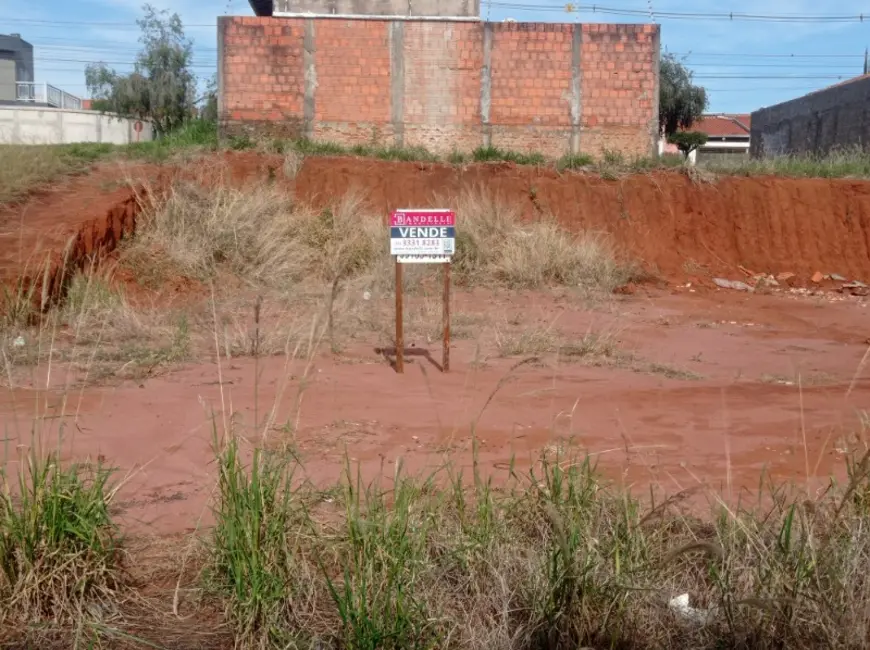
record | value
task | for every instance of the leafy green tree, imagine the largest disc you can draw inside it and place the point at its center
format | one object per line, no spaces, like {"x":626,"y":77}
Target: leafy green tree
{"x":681,"y":102}
{"x":688,"y":141}
{"x":162,"y":86}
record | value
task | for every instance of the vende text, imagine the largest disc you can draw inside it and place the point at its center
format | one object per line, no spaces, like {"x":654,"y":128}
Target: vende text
{"x":424,"y":233}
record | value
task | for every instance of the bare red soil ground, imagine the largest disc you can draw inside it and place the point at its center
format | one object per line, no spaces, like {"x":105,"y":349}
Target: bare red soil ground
{"x":776,"y":391}
{"x":779,"y":378}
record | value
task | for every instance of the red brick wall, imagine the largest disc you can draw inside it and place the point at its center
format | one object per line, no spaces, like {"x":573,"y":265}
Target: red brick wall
{"x":441,"y":96}
{"x":620,"y":87}
{"x":261,"y":81}
{"x":531,"y":87}
{"x":548,"y":88}
{"x":352,"y":96}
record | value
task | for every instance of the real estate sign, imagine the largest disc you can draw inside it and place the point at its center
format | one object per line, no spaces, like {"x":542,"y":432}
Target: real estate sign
{"x":423,"y":236}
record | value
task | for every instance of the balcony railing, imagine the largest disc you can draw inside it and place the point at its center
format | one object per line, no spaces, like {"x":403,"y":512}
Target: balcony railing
{"x":44,"y":93}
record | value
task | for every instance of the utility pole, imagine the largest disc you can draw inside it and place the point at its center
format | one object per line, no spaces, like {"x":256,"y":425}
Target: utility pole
{"x":866,"y":61}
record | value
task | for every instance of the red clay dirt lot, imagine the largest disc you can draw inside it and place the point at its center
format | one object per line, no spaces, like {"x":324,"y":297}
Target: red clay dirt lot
{"x":716,"y":386}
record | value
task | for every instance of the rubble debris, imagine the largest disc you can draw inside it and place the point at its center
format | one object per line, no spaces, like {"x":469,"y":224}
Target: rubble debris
{"x":737,"y":285}
{"x":817,"y":277}
{"x":680,"y":606}
{"x":855,"y":288}
{"x":765,"y":280}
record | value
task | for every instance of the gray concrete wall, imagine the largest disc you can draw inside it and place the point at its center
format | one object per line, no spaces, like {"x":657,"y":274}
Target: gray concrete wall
{"x":837,"y":117}
{"x":32,"y":125}
{"x":380,"y":7}
{"x":7,"y":80}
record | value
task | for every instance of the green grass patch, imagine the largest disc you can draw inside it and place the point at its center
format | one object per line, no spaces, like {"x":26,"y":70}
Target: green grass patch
{"x":851,"y":162}
{"x":196,"y":135}
{"x":28,"y":167}
{"x":308,"y":147}
{"x":553,"y":558}
{"x":495,"y":154}
{"x":574,"y":162}
{"x":60,"y":556}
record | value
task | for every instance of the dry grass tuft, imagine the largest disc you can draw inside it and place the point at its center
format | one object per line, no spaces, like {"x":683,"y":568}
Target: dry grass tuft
{"x":259,"y":234}
{"x":494,"y":244}
{"x":593,"y":346}
{"x":265,"y":237}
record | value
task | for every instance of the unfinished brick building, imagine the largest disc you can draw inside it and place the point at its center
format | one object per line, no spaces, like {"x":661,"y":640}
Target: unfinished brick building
{"x":449,"y":83}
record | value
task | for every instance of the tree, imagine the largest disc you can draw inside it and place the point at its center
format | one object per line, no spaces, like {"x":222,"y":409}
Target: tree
{"x":209,"y":109}
{"x":688,"y":141}
{"x":681,"y":103}
{"x":162,"y":86}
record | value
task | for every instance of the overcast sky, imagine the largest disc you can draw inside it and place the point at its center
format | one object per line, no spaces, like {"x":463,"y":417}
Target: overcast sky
{"x":744,"y":64}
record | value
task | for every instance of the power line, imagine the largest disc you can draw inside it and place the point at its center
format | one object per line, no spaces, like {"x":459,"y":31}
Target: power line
{"x":586,"y":8}
{"x":741,"y":76}
{"x":796,"y":65}
{"x":679,"y":15}
{"x":92,"y":61}
{"x":768,"y":55}
{"x":755,"y":89}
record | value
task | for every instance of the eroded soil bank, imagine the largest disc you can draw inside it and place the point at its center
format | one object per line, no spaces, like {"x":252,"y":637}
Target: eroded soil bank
{"x":679,"y":228}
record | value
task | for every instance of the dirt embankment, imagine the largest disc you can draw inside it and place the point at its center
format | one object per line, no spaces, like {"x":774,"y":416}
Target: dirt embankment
{"x":59,"y":229}
{"x":678,"y":228}
{"x":669,"y":222}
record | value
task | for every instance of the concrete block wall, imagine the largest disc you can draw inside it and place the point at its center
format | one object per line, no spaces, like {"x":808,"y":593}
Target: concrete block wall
{"x":38,"y":125}
{"x":836,"y":117}
{"x":448,"y":85}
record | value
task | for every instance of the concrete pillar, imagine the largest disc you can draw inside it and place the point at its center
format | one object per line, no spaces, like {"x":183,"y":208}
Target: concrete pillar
{"x":16,"y":127}
{"x":576,"y":88}
{"x":397,"y":80}
{"x":222,"y":22}
{"x":310,"y":73}
{"x":486,"y":84}
{"x":655,"y":133}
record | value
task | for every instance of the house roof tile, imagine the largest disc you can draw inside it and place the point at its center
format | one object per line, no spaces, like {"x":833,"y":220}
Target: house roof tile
{"x":724,"y":125}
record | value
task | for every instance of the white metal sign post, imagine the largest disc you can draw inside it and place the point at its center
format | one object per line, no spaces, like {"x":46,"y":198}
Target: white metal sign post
{"x":422,"y":237}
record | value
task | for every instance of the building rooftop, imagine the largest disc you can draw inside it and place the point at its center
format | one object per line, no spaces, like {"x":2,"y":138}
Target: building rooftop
{"x":724,"y":125}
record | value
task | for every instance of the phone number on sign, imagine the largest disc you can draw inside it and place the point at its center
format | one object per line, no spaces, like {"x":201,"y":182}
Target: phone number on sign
{"x":421,"y":246}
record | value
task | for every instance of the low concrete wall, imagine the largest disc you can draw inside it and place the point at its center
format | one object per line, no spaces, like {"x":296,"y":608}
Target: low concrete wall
{"x":838,"y":116}
{"x":39,"y":125}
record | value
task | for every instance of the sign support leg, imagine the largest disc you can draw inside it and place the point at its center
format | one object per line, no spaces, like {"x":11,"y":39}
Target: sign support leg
{"x":400,"y":334}
{"x":445,"y":353}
